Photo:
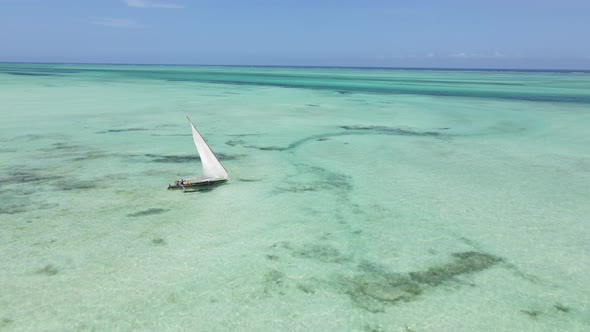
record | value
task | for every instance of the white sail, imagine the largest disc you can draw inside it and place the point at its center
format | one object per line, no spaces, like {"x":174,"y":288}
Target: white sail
{"x":212,"y":168}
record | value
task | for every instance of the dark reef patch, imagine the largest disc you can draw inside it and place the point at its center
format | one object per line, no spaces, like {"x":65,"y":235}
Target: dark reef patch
{"x":304,"y":140}
{"x":377,"y":287}
{"x":167,"y":125}
{"x":170,"y":135}
{"x":48,"y":270}
{"x":536,"y":312}
{"x":121,"y":130}
{"x":13,"y":208}
{"x":350,"y":130}
{"x":175,"y":159}
{"x":298,"y":188}
{"x":374,"y":287}
{"x":235,"y":141}
{"x":464,"y":263}
{"x":225,"y":156}
{"x":62,"y":146}
{"x":158,"y":241}
{"x":373,"y":291}
{"x":6,"y":321}
{"x":270,"y":148}
{"x":274,"y":282}
{"x":239,"y":142}
{"x":148,"y":212}
{"x":22,"y":73}
{"x":242,"y":135}
{"x":36,"y":137}
{"x":307,"y":288}
{"x":322,"y":253}
{"x":319,"y":179}
{"x":561,"y":307}
{"x":15,"y":201}
{"x":312,"y":105}
{"x":27,"y":177}
{"x":76,"y":185}
{"x":393,"y":131}
{"x":93,"y":155}
{"x":531,"y":313}
{"x":125,"y":129}
{"x":373,"y":328}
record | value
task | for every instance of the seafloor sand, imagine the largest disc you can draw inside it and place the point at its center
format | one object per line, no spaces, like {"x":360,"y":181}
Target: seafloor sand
{"x":359,"y":200}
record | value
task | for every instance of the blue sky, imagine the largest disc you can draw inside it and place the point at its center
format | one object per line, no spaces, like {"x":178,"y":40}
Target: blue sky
{"x":409,"y":33}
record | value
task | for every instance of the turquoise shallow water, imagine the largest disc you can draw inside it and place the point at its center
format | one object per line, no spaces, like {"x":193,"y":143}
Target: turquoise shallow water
{"x":359,"y":200}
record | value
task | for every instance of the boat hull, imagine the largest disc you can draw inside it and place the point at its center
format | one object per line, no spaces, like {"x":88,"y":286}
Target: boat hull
{"x":199,"y":184}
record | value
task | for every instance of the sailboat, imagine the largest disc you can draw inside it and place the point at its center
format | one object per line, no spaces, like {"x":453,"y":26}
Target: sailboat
{"x":212,"y":173}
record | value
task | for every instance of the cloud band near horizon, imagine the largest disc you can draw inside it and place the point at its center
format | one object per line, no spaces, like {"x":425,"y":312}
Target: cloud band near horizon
{"x":150,"y":4}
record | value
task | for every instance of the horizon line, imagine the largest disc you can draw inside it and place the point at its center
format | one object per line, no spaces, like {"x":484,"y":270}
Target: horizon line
{"x":303,"y":66}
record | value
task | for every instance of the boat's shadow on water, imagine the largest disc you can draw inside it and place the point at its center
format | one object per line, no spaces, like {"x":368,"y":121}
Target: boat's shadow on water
{"x":200,"y":190}
{"x":203,"y":189}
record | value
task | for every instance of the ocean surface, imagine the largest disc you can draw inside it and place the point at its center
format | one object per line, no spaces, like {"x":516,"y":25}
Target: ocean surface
{"x":359,"y":199}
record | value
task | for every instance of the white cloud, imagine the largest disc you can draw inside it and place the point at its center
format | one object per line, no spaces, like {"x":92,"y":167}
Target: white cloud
{"x":150,"y":4}
{"x":461,"y":55}
{"x":465,"y":55}
{"x":498,"y":55}
{"x":116,"y":22}
{"x":430,"y":55}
